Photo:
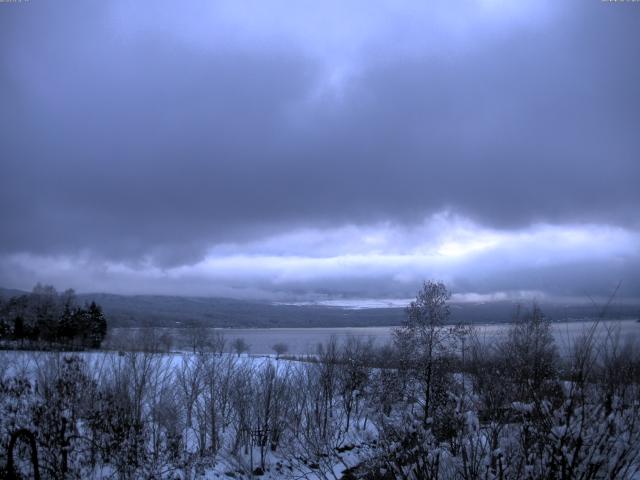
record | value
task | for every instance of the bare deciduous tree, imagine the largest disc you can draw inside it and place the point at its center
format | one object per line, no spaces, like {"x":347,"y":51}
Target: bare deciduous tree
{"x":240,"y":346}
{"x":280,"y":348}
{"x":426,"y":343}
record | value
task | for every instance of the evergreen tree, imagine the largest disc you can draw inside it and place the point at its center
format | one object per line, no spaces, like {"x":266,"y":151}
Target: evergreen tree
{"x":67,"y":328}
{"x":97,"y":325}
{"x":18,"y":328}
{"x":82,"y":325}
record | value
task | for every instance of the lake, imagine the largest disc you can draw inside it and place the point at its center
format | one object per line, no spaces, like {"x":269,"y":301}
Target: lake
{"x":302,"y":341}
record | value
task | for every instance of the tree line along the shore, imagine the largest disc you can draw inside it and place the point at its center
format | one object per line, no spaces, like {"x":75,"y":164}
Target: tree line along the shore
{"x":45,"y":318}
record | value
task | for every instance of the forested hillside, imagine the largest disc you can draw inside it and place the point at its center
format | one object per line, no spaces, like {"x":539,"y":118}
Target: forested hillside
{"x":177,"y":311}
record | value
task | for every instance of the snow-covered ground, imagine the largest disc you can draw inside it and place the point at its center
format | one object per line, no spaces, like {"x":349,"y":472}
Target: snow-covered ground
{"x":125,"y":414}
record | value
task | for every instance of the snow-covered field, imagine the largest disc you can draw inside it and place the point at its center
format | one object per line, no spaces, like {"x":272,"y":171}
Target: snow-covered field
{"x":242,"y":383}
{"x":356,"y":411}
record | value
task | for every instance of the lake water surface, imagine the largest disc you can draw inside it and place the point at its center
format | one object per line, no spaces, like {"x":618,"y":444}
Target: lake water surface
{"x":301,"y":341}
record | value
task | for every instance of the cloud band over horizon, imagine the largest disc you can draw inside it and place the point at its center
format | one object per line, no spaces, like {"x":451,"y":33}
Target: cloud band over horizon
{"x":381,"y":261}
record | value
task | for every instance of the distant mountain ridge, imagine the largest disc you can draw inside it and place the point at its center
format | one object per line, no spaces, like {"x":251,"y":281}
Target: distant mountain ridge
{"x":176,"y":311}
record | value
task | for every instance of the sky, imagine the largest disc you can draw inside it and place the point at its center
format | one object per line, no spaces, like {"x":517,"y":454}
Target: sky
{"x":321,"y":151}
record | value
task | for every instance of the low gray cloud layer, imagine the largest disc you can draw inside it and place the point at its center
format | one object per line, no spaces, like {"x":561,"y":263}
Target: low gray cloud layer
{"x":149,"y":135}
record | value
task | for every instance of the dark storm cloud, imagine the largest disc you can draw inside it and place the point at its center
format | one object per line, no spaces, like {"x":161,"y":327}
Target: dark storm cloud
{"x":137,"y":137}
{"x":122,"y":147}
